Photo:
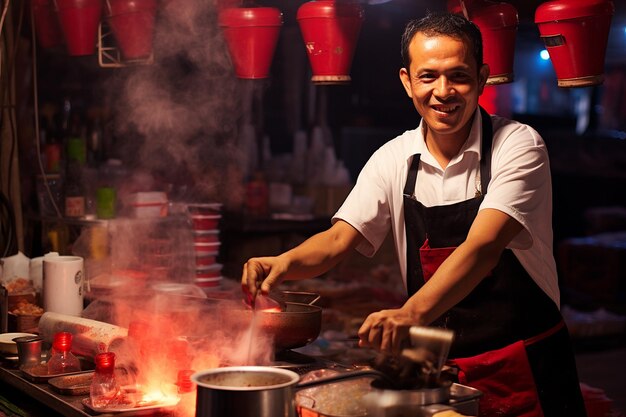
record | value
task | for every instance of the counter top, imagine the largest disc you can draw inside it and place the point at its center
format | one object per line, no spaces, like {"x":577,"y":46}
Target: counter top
{"x":65,"y":405}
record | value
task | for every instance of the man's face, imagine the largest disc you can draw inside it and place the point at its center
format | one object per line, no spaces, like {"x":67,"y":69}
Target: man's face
{"x":444,"y":84}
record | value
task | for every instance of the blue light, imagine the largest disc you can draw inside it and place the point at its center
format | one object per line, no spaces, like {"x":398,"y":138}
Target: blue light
{"x":544,"y":55}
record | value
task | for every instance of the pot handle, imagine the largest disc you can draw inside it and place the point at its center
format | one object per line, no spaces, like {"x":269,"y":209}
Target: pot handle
{"x":344,"y":376}
{"x":315,"y":300}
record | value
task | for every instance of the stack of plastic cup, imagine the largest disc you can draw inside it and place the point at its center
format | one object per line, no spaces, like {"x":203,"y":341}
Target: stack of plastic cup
{"x":204,"y":219}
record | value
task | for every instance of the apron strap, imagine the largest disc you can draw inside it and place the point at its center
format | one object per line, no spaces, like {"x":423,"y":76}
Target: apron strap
{"x":485,"y":151}
{"x":409,"y":185}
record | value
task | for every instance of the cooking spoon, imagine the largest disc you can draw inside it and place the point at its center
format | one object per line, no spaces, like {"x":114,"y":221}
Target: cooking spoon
{"x":264,"y":303}
{"x":350,"y":375}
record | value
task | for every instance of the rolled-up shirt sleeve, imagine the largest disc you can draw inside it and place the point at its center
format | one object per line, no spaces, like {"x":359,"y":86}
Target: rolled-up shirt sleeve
{"x":367,"y":206}
{"x":520,"y":182}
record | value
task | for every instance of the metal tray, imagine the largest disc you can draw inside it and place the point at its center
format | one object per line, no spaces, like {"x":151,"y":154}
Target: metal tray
{"x":131,"y":411}
{"x":39,"y":373}
{"x":76,"y":384}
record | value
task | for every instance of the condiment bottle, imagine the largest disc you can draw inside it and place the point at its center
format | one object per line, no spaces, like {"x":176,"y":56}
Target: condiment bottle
{"x":257,"y":195}
{"x":187,"y":392}
{"x":62,"y":360}
{"x":74,"y":181}
{"x":104,"y":387}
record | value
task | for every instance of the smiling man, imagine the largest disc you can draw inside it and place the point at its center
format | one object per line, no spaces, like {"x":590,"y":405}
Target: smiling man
{"x":467,"y":197}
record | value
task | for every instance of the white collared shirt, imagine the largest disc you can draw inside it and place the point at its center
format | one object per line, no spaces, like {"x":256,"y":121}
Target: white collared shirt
{"x":520,"y":186}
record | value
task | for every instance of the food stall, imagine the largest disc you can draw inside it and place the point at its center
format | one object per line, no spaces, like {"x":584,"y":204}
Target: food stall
{"x":172,"y":141}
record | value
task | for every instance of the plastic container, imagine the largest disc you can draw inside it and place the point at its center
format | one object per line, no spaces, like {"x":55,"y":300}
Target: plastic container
{"x":148,"y":204}
{"x":204,"y":249}
{"x":576,"y":34}
{"x":209,"y":272}
{"x":206,"y":238}
{"x":205,"y":260}
{"x":204,"y":208}
{"x":104,"y":387}
{"x":62,"y":360}
{"x":187,"y":393}
{"x":106,"y":201}
{"x":202,"y":222}
{"x":208,"y":283}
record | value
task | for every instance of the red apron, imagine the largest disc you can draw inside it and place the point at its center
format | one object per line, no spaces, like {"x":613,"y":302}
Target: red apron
{"x":505,"y":378}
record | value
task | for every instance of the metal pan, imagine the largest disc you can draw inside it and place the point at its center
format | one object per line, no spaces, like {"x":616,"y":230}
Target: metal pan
{"x":296,"y":326}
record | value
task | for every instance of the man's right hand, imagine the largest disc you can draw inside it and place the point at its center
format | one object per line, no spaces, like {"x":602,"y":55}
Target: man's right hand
{"x":313,"y":257}
{"x":262,"y":274}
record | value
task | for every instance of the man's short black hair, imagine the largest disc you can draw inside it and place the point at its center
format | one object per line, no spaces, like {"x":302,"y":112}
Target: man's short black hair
{"x":447,"y":24}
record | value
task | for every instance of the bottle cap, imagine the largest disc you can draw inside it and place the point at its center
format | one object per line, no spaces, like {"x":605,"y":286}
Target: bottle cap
{"x":105,"y":362}
{"x":183,"y":380}
{"x":62,"y":341}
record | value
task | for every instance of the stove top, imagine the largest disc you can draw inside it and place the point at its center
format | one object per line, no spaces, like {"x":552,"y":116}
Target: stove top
{"x":301,"y":363}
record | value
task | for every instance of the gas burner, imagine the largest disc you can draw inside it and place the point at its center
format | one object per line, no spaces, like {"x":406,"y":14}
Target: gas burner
{"x":301,"y":363}
{"x":293,"y":357}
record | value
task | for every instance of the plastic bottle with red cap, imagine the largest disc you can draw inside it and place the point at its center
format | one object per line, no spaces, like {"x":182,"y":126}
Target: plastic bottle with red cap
{"x":104,"y":388}
{"x":62,"y":360}
{"x":187,"y":392}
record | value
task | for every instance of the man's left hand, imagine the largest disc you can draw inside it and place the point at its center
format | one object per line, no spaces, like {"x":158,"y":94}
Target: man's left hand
{"x":387,"y":330}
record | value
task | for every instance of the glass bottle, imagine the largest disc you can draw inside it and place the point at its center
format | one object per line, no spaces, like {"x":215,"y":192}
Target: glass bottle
{"x":104,"y":387}
{"x":187,"y":392}
{"x":75,"y":201}
{"x":62,"y":360}
{"x":257,"y":195}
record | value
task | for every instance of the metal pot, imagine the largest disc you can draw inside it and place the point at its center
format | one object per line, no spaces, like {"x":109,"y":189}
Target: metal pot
{"x":257,"y":391}
{"x":244,"y":391}
{"x":262,"y":391}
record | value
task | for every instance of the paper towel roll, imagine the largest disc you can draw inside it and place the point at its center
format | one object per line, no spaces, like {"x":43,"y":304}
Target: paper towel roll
{"x":90,"y":337}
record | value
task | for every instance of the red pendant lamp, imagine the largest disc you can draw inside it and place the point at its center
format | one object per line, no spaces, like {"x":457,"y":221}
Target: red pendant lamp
{"x":576,"y":34}
{"x":498,"y":26}
{"x":79,"y":20}
{"x":330,"y":30}
{"x":251,"y":34}
{"x":46,"y":23}
{"x":132,"y":24}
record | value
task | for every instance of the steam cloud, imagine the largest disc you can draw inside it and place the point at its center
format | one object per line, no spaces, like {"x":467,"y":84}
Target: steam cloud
{"x":178,"y":116}
{"x":176,"y":119}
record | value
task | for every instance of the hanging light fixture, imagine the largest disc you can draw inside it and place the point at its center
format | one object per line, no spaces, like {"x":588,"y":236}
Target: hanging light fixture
{"x":79,"y":20}
{"x":251,"y":35}
{"x":330,"y":30}
{"x":46,"y":24}
{"x":576,"y":34}
{"x":132,"y":24}
{"x":498,"y":26}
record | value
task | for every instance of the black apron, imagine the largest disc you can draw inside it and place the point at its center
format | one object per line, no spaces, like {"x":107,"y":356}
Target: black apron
{"x":505,"y":308}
